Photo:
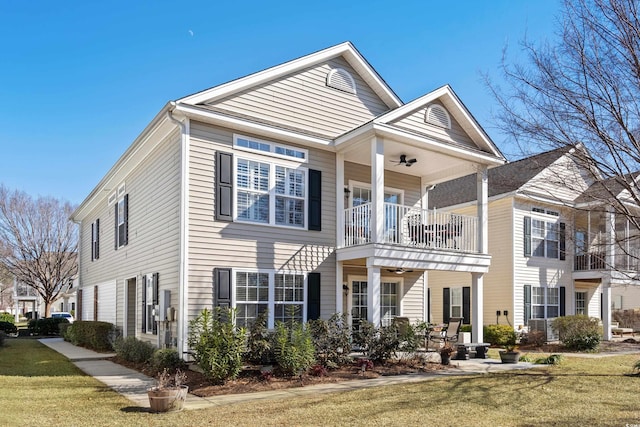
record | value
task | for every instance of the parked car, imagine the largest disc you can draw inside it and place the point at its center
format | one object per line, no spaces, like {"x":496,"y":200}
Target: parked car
{"x":62,"y":315}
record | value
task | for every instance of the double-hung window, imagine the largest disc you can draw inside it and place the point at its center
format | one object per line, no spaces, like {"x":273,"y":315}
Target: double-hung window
{"x":544,"y":235}
{"x":281,"y":295}
{"x":545,"y":302}
{"x":456,"y":302}
{"x":95,"y":240}
{"x":271,"y":183}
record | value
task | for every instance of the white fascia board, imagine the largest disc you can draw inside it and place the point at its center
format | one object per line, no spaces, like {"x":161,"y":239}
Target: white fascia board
{"x":424,"y":142}
{"x":239,"y":124}
{"x":548,"y":200}
{"x":125,"y":163}
{"x":346,"y":49}
{"x":364,"y":131}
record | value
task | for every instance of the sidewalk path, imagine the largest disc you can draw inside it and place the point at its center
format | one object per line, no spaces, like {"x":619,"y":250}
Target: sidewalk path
{"x":133,"y":385}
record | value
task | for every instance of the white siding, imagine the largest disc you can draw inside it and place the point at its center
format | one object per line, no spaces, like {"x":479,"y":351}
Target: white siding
{"x":107,"y":302}
{"x":563,"y":180}
{"x":87,"y":303}
{"x":240,"y":245}
{"x":630,"y":296}
{"x":302,"y":100}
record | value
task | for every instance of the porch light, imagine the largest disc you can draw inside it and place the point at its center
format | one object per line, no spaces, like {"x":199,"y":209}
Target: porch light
{"x":347,"y":192}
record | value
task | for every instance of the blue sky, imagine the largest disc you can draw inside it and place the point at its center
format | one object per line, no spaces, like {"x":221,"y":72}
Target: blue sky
{"x":79,"y":80}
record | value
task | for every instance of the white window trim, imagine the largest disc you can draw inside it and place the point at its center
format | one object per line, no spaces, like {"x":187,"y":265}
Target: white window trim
{"x":121,"y":220}
{"x":272,"y":146}
{"x":451,"y":288}
{"x":385,"y":278}
{"x":112,"y":199}
{"x":272,"y":191}
{"x":271,"y":302}
{"x":94,"y":240}
{"x":546,"y":304}
{"x":547,"y":219}
{"x":359,"y":184}
{"x":148,"y":303}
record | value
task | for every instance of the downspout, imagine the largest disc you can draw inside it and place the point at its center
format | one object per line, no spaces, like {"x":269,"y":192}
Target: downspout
{"x":182,"y":315}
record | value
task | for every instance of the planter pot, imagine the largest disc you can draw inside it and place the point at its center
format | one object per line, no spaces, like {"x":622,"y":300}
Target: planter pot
{"x":509,"y":356}
{"x":168,"y":399}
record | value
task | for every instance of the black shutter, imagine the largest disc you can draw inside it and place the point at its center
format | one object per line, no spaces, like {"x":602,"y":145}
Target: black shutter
{"x":93,"y":238}
{"x":144,"y":305}
{"x":563,"y":241}
{"x":527,"y":304}
{"x":97,"y":238}
{"x":224,"y":187}
{"x":222,"y":287}
{"x":429,"y":305}
{"x":313,"y":293}
{"x":79,"y":305}
{"x":466,"y":305}
{"x":527,"y":236}
{"x":601,"y":307}
{"x":446,"y":305}
{"x":315,"y":200}
{"x":95,"y":303}
{"x":156,"y":288}
{"x":563,"y":299}
{"x":126,"y":220}
{"x":116,"y":221}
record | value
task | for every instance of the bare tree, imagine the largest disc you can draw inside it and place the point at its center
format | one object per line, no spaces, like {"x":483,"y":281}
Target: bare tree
{"x":38,"y":243}
{"x":583,"y":91}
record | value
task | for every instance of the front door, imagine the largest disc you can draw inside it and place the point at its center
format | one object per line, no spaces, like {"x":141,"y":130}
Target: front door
{"x":389,"y":301}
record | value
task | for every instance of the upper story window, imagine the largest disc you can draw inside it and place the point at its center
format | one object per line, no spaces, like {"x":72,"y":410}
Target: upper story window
{"x":270,"y":148}
{"x":437,"y":115}
{"x":95,"y":240}
{"x":544,"y":235}
{"x":341,"y":79}
{"x":122,"y":222}
{"x":271,"y":191}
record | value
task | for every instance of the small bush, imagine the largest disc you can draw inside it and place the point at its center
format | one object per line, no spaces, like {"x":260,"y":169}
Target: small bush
{"x":535,"y":338}
{"x":7,"y":317}
{"x":8,"y":327}
{"x":134,"y":350}
{"x":466,"y":328}
{"x":378,"y":344}
{"x":167,"y":359}
{"x":553,"y":359}
{"x":500,"y":335}
{"x":259,"y":341}
{"x":331,"y":340}
{"x":3,"y":336}
{"x":578,"y":332}
{"x":96,"y":336}
{"x":217,"y":344}
{"x":293,"y":348}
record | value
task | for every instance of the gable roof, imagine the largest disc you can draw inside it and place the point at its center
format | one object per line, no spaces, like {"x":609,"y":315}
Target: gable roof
{"x":346,"y":50}
{"x":502,"y":179}
{"x":607,"y":189}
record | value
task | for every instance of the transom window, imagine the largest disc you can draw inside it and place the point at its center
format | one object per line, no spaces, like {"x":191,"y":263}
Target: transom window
{"x":272,"y":148}
{"x":545,"y":302}
{"x":281,"y":295}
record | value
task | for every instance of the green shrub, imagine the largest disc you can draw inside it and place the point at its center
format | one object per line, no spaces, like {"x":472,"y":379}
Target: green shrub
{"x":331,"y":340}
{"x":578,"y":332}
{"x":259,"y":341}
{"x":7,"y":317}
{"x":167,"y":359}
{"x":466,"y":328}
{"x":500,"y":335}
{"x":378,"y":344}
{"x":45,"y":326}
{"x":3,"y":336}
{"x":553,"y":359}
{"x":91,"y":334}
{"x":8,"y":327}
{"x":293,"y":348}
{"x":133,"y":349}
{"x":217,"y":344}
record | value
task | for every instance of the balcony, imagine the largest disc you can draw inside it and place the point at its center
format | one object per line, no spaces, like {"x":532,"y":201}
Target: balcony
{"x":412,"y":228}
{"x":626,"y":254}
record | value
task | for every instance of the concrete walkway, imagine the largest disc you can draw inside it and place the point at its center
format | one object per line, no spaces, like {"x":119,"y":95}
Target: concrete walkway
{"x":133,"y":385}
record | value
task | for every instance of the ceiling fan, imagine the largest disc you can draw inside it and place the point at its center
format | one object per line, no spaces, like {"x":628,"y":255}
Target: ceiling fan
{"x":399,"y":270}
{"x":404,"y":161}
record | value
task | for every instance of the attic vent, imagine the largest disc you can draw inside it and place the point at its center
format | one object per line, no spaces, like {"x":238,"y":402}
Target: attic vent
{"x":437,"y":115}
{"x":341,"y":80}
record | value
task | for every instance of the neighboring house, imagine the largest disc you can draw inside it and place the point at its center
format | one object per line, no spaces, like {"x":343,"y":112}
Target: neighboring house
{"x":299,"y":190}
{"x":552,"y":241}
{"x":26,"y":299}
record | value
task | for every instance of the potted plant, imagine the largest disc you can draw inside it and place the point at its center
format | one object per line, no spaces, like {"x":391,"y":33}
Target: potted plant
{"x":169,"y":393}
{"x":507,"y":340}
{"x":445,"y":354}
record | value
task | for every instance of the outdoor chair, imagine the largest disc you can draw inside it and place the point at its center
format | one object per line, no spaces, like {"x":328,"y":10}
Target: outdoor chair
{"x":448,"y":335}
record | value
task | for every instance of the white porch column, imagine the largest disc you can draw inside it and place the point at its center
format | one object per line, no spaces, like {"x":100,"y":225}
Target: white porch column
{"x":477,"y":310}
{"x":606,"y":310}
{"x":339,"y":290}
{"x":377,"y":190}
{"x":482,"y":189}
{"x":373,"y":295}
{"x":340,"y":201}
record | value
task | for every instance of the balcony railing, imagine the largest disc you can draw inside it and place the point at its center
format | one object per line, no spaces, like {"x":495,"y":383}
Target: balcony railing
{"x":626,"y":255}
{"x":408,"y":226}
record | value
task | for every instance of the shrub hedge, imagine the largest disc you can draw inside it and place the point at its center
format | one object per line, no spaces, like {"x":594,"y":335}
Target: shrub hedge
{"x":167,"y":358}
{"x":45,"y":326}
{"x":90,"y":334}
{"x":8,"y":327}
{"x":498,"y":334}
{"x":7,"y":317}
{"x":578,"y":332}
{"x":133,"y":349}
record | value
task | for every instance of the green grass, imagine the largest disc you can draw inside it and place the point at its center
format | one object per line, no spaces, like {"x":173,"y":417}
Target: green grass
{"x":39,"y":387}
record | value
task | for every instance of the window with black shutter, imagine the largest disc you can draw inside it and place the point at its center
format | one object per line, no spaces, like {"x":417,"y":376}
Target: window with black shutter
{"x":224,"y":187}
{"x":315,"y":200}
{"x":122,"y":222}
{"x":95,"y":240}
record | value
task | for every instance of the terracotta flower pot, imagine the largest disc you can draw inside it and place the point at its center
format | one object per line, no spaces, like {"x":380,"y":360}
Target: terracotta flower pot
{"x":167,"y":399}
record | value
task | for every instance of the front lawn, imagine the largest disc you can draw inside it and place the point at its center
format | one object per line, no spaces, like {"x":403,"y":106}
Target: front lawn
{"x":41,"y":387}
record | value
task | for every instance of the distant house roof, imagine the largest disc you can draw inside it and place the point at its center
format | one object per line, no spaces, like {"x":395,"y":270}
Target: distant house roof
{"x":607,"y":189}
{"x":502,"y":179}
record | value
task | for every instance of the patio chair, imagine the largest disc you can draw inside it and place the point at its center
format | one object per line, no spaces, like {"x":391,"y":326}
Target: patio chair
{"x":449,"y":334}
